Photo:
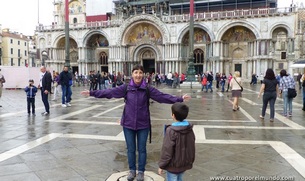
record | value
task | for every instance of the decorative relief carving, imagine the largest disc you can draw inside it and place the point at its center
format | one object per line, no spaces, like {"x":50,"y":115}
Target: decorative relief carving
{"x":215,"y":26}
{"x":49,"y":39}
{"x":173,"y":30}
{"x":264,"y":26}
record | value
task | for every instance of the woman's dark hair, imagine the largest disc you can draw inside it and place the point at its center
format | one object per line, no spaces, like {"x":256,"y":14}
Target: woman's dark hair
{"x":269,"y":74}
{"x":138,"y":67}
{"x":180,"y":110}
{"x":283,"y":73}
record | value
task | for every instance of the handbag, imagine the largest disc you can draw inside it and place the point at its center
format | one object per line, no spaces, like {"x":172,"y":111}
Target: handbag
{"x":292,"y":93}
{"x":241,"y":87}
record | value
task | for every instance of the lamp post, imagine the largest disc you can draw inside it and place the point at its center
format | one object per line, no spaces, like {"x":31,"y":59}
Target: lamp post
{"x":191,"y":68}
{"x":44,"y":57}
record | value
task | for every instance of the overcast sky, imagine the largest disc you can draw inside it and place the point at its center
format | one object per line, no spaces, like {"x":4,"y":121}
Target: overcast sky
{"x":22,"y":15}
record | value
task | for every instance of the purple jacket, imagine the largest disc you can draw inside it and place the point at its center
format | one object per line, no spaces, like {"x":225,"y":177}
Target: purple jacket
{"x":136,"y":113}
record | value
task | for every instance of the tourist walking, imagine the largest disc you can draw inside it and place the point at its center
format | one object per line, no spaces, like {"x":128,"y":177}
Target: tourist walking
{"x":236,"y":87}
{"x":223,"y":79}
{"x":270,"y":89}
{"x":136,"y":116}
{"x":65,"y":77}
{"x":286,"y":82}
{"x":229,"y":80}
{"x":303,"y":85}
{"x":56,"y":85}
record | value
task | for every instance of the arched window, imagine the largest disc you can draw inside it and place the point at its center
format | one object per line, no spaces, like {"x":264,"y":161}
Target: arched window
{"x":103,"y":58}
{"x":198,"y":56}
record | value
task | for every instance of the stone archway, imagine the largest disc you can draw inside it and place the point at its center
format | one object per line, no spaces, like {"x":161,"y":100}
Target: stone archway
{"x":147,"y":57}
{"x":236,"y":43}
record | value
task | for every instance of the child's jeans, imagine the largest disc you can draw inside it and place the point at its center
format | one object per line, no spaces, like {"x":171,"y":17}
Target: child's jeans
{"x":174,"y":177}
{"x":31,"y":103}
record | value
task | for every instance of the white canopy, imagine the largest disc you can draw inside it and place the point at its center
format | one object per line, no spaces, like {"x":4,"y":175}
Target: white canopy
{"x":298,"y":64}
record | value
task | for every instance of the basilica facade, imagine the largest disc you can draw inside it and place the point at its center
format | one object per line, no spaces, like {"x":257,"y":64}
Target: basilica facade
{"x":249,"y":40}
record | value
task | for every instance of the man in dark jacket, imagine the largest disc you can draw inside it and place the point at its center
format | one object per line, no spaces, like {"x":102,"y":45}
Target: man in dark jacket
{"x":178,"y":150}
{"x":45,"y":86}
{"x":65,"y":77}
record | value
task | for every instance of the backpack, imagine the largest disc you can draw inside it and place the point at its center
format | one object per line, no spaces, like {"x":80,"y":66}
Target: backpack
{"x":148,"y":97}
{"x":204,"y":81}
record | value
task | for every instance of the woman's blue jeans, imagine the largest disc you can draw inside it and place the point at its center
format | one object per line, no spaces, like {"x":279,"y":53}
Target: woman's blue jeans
{"x":174,"y":177}
{"x":222,"y":83}
{"x":287,"y":103}
{"x":303,"y":97}
{"x":269,"y":97}
{"x":133,"y":137}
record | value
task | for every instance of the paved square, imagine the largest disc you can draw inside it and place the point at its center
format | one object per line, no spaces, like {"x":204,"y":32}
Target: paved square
{"x":85,"y":141}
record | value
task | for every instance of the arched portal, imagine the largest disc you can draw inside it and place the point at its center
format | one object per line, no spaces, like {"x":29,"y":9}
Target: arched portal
{"x":201,"y":45}
{"x":148,"y":58}
{"x":236,"y":44}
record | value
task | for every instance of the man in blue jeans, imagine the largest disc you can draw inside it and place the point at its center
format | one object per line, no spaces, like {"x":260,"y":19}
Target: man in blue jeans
{"x":65,"y":78}
{"x":303,"y":85}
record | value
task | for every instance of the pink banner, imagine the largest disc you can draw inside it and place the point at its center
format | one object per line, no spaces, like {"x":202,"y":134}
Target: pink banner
{"x":191,"y":8}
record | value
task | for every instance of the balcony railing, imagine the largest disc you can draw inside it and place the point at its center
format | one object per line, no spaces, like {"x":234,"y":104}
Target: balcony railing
{"x":87,"y":25}
{"x":229,"y":14}
{"x":177,"y":18}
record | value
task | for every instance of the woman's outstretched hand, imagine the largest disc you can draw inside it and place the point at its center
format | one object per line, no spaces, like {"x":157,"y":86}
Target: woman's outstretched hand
{"x":186,"y":97}
{"x":85,"y":93}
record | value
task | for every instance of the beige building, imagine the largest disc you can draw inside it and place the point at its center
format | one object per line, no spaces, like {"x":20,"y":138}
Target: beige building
{"x":15,"y":49}
{"x":156,"y":35}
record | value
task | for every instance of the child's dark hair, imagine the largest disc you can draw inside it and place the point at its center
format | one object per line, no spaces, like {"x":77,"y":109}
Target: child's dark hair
{"x":180,"y":110}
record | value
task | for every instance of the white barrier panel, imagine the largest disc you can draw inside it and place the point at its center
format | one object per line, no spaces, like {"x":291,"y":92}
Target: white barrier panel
{"x":18,"y":77}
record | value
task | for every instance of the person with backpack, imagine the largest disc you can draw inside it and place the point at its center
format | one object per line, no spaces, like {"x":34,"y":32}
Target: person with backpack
{"x":286,"y":82}
{"x":136,"y":116}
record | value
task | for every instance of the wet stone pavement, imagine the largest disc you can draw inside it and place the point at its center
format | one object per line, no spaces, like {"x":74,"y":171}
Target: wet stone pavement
{"x":85,"y":141}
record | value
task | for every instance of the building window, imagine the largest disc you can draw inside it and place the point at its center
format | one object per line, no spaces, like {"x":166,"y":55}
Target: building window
{"x":12,"y":62}
{"x":19,"y":62}
{"x":24,"y":43}
{"x":18,"y":42}
{"x":283,"y":55}
{"x":74,"y":20}
{"x":25,"y":53}
{"x":19,"y":53}
{"x":103,"y":58}
{"x":281,"y":65}
{"x":12,"y":51}
{"x":11,"y":41}
{"x":198,"y":56}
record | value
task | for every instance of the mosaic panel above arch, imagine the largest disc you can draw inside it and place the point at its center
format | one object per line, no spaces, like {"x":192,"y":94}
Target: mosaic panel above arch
{"x":143,"y":32}
{"x":200,"y":36}
{"x":76,"y":7}
{"x":238,"y":34}
{"x":97,"y":40}
{"x":62,"y":42}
